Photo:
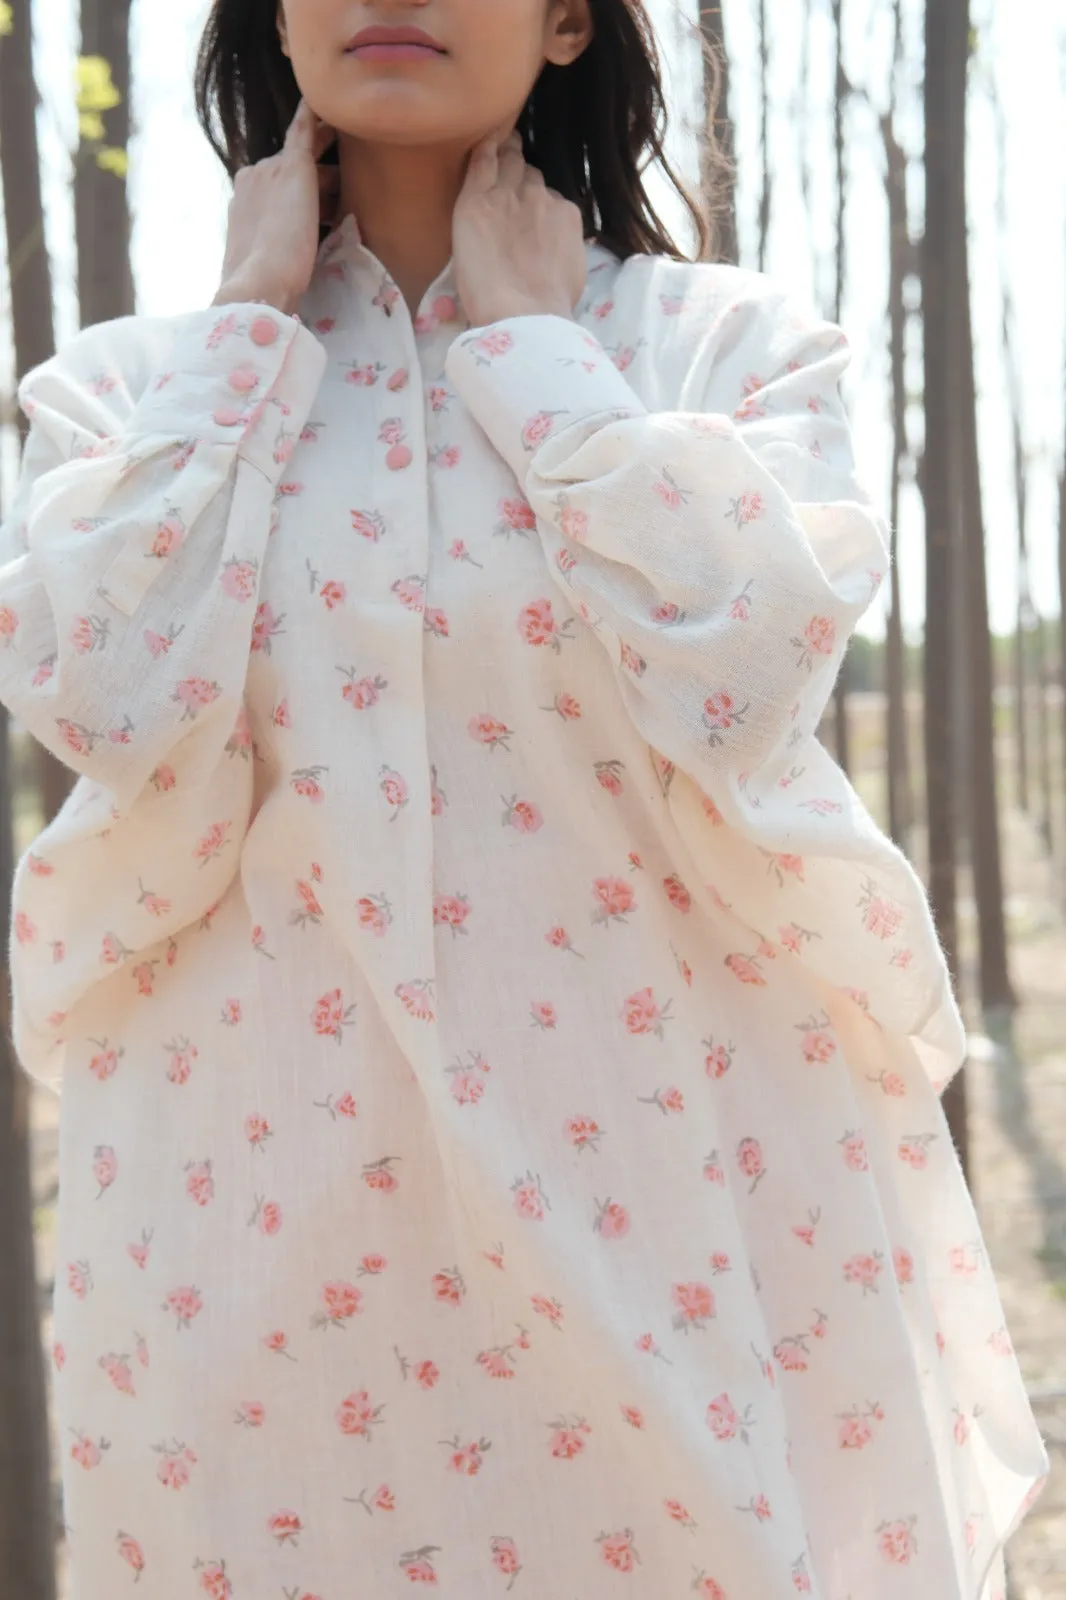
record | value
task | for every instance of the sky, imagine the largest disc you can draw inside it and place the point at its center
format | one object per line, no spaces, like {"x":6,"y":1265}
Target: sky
{"x":179,"y":202}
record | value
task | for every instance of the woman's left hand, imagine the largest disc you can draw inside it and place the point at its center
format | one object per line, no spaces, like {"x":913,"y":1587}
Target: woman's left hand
{"x":519,"y":247}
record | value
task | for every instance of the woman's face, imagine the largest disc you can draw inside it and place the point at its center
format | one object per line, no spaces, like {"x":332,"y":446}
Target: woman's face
{"x":424,"y":72}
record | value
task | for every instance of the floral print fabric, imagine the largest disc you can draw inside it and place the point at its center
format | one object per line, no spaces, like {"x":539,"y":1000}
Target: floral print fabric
{"x":500,"y":1146}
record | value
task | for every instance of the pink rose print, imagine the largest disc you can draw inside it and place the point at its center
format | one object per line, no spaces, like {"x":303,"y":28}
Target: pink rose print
{"x":138,"y":1253}
{"x":584,"y":1133}
{"x":105,"y":1167}
{"x":853,"y":1147}
{"x":285,"y":1526}
{"x":355,"y":1416}
{"x":746,"y":508}
{"x":496,"y":1363}
{"x":559,"y":939}
{"x":791,"y":1354}
{"x":719,"y":1058}
{"x":361,"y":693}
{"x":257,"y":1130}
{"x":104,"y":1063}
{"x":213,"y":1580}
{"x":505,"y":1559}
{"x":864,"y":1270}
{"x":522,"y":815}
{"x":176,"y":1460}
{"x":131,"y":1552}
{"x":740,"y":610}
{"x":818,"y":1044}
{"x":333,"y":594}
{"x":668,"y":1100}
{"x":278,"y":1344}
{"x":449,"y":1287}
{"x":267,"y":1216}
{"x":252,"y":1414}
{"x":609,"y":776}
{"x":489,"y":731}
{"x":118,"y":1370}
{"x":903,"y":1265}
{"x":394,"y":788}
{"x":374,"y":913}
{"x":364,"y":377}
{"x":9,"y":623}
{"x":516,"y":516}
{"x":537,"y":429}
{"x":914,"y":1150}
{"x":707,"y":1588}
{"x":694,"y":1304}
{"x":240,"y":579}
{"x":819,"y":639}
{"x":90,"y":634}
{"x":537,"y":625}
{"x":618,"y":1551}
{"x":530,"y":1201}
{"x":88,"y":1453}
{"x":398,"y":455}
{"x":855,"y":1430}
{"x":881,"y":917}
{"x":331,"y":1016}
{"x":427,"y":1374}
{"x":642,"y":1014}
{"x":199,"y":1182}
{"x":750,"y":1162}
{"x":613,"y":900}
{"x":724,"y":1421}
{"x":185,"y":1304}
{"x":746,"y":969}
{"x":369,"y":525}
{"x":713,"y":1171}
{"x":305,"y":783}
{"x":194,"y":694}
{"x":721,"y":715}
{"x":182,"y":1056}
{"x":612,"y":1220}
{"x":466,"y":1459}
{"x":417,"y":1565}
{"x":497,"y":342}
{"x":676,"y":893}
{"x":896,"y":1541}
{"x":379,"y":1175}
{"x":544,"y":1014}
{"x":545,"y":1306}
{"x":634,"y":1416}
{"x":415,"y":996}
{"x":670,"y":493}
{"x":451,"y":911}
{"x":266,"y":628}
{"x":568,"y":1437}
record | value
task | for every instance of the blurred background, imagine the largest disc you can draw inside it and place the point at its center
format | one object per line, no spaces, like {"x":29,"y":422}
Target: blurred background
{"x":902,"y":165}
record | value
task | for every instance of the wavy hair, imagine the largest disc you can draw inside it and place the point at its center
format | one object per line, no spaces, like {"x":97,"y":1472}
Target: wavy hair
{"x":593,"y":128}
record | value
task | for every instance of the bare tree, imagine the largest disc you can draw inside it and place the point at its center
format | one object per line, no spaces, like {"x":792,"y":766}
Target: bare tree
{"x":982,"y":785}
{"x":26,"y":1531}
{"x":901,"y":263}
{"x":946,"y":52}
{"x":101,"y":207}
{"x":840,"y":95}
{"x":717,"y":175}
{"x":765,"y":193}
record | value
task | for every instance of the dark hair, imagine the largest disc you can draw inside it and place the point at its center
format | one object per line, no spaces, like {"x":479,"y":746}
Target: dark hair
{"x":592,"y":128}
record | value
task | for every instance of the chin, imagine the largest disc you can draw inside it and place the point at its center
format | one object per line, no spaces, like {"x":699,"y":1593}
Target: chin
{"x":396,"y":113}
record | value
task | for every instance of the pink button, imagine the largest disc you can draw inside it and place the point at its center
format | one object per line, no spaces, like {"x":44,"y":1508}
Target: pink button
{"x":243,"y":379}
{"x":228,"y":417}
{"x":263,"y":331}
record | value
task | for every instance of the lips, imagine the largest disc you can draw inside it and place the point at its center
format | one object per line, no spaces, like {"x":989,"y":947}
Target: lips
{"x":383,"y":43}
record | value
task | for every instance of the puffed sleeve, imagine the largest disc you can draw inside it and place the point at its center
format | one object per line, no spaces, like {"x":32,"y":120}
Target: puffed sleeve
{"x":723,"y":553}
{"x":128,"y":599}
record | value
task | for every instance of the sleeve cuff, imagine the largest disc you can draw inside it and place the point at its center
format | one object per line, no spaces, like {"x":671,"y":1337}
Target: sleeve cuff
{"x":529,"y":379}
{"x":243,"y":375}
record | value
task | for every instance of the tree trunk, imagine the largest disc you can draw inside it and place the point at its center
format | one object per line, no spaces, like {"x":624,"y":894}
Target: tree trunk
{"x":842,"y":732}
{"x":29,"y":270}
{"x":101,"y":207}
{"x":900,"y":812}
{"x":27,"y":1536}
{"x":946,"y":46}
{"x":718,"y":177}
{"x":764,"y":136}
{"x":985,"y":857}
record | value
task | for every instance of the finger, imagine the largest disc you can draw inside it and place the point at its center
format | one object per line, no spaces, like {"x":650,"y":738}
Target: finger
{"x":301,"y":128}
{"x":324,"y":137}
{"x":483,"y":168}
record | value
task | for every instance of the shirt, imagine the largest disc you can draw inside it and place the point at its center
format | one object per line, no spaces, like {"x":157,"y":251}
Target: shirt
{"x":500,"y":1144}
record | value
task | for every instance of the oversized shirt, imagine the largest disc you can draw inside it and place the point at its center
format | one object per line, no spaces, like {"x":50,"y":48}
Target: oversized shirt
{"x":500,"y":1141}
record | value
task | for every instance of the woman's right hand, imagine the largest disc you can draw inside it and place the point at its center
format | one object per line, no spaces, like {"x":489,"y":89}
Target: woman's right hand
{"x":274,"y":218}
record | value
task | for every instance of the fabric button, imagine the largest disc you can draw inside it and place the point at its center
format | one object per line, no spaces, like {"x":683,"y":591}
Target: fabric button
{"x":263,"y":331}
{"x":243,"y":379}
{"x":228,"y":417}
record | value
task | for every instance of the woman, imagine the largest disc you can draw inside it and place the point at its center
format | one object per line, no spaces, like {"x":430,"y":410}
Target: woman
{"x":500,"y":1142}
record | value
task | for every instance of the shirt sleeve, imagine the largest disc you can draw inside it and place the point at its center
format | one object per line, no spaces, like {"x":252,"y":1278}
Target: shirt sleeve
{"x":127,"y":611}
{"x":132,"y":557}
{"x":723,"y":553}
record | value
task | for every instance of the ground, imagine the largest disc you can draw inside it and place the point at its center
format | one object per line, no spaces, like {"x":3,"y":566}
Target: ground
{"x":1017,"y":1086}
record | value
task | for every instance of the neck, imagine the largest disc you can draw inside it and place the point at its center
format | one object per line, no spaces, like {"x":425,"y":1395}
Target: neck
{"x":403,"y":199}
